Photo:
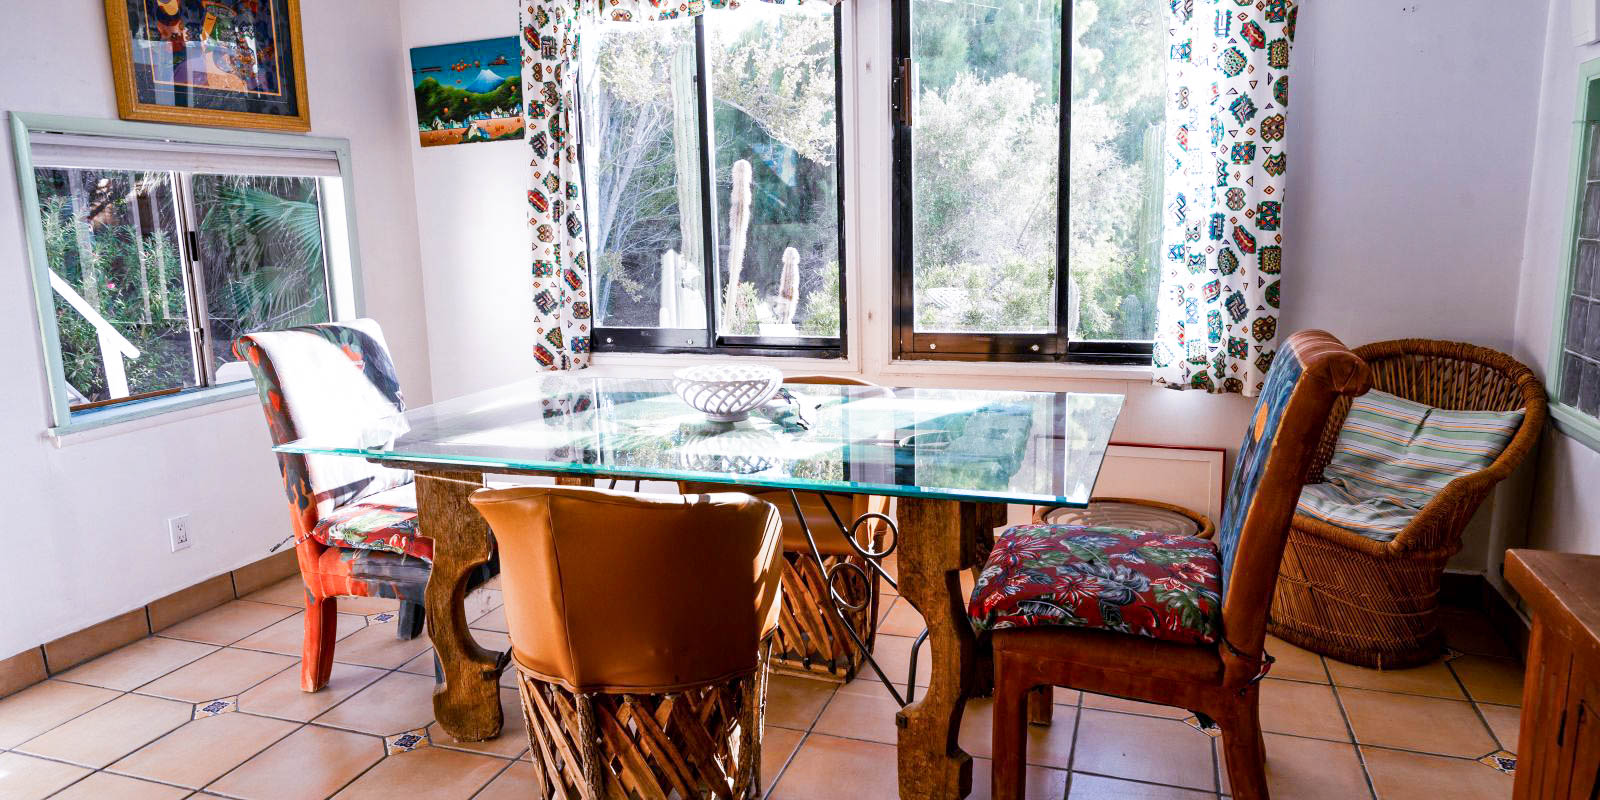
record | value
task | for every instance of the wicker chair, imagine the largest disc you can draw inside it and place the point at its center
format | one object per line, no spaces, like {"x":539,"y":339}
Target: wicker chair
{"x":1374,"y":603}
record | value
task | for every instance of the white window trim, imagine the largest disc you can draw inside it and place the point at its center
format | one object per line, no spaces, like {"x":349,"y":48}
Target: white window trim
{"x":344,"y":265}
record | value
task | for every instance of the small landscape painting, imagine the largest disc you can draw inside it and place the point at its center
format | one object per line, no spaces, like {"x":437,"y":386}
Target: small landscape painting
{"x":468,"y":92}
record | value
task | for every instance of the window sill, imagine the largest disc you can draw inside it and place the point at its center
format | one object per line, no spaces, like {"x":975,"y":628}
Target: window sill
{"x":894,"y":373}
{"x":1576,"y":425}
{"x":101,"y":423}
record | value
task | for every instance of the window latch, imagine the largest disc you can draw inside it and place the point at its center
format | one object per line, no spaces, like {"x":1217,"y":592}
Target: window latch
{"x":192,"y":239}
{"x":905,"y":90}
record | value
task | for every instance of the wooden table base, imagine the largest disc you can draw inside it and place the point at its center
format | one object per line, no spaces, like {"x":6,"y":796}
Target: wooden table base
{"x":467,"y":703}
{"x":939,"y":539}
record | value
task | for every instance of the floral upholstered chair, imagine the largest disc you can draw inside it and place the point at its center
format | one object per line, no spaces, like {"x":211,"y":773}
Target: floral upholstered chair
{"x":354,"y":523}
{"x":1160,"y":617}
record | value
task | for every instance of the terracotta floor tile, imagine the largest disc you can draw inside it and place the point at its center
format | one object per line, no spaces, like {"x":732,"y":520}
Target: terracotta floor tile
{"x":777,"y":746}
{"x":512,"y":741}
{"x":366,"y":606}
{"x":398,"y":702}
{"x":1095,"y":787}
{"x":1428,"y":724}
{"x":1106,"y":703}
{"x":138,"y":663}
{"x":860,"y":716}
{"x":1040,"y":782}
{"x":25,"y":778}
{"x":290,"y":591}
{"x":111,"y":731}
{"x":102,"y":785}
{"x":1302,"y":709}
{"x":225,"y":673}
{"x":1413,"y":776}
{"x":491,"y":621}
{"x":1308,"y":769}
{"x":1504,"y":721}
{"x":1122,"y":746}
{"x":894,"y":653}
{"x":375,"y":646}
{"x":1490,"y":680}
{"x":516,"y":783}
{"x":795,"y":702}
{"x":902,"y":620}
{"x":426,"y":774}
{"x":287,"y":636}
{"x":43,"y":706}
{"x":482,"y":600}
{"x":1048,"y":745}
{"x":280,"y":696}
{"x":316,"y":761}
{"x":1431,"y":680}
{"x":203,"y":750}
{"x":1294,"y":663}
{"x":830,"y":767}
{"x":423,"y":664}
{"x":227,"y":623}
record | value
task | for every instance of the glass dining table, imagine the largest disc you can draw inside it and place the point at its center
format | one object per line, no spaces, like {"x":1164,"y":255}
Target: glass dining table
{"x":952,"y":458}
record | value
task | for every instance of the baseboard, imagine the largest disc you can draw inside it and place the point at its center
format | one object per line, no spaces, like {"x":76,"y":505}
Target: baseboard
{"x":30,"y":666}
{"x":1473,"y":590}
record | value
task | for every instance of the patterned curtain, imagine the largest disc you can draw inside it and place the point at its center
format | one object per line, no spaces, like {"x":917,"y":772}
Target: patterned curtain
{"x":563,"y":311}
{"x":1227,"y":100}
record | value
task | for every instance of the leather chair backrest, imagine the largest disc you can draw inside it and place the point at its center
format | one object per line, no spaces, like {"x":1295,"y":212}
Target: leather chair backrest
{"x":324,"y":380}
{"x":1311,"y":370}
{"x":621,"y":592}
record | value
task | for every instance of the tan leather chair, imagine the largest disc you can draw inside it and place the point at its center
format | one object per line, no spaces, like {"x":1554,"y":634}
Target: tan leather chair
{"x":812,"y":642}
{"x":640,"y":629}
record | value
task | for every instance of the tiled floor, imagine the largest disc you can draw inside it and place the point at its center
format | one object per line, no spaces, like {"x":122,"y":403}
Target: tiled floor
{"x":212,"y":707}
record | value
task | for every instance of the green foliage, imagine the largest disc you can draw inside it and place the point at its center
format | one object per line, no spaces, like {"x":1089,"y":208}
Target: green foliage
{"x":438,"y":101}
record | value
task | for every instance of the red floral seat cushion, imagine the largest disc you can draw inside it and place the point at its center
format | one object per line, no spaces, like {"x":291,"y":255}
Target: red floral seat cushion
{"x":1164,"y":586}
{"x":385,"y":521}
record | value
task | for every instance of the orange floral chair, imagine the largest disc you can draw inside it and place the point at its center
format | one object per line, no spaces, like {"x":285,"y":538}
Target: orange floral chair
{"x":354,"y":522}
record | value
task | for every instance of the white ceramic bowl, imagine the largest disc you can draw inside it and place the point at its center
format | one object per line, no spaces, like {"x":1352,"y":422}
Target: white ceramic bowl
{"x":726,"y":392}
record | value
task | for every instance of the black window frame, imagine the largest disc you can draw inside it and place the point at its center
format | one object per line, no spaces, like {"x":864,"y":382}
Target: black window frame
{"x":708,"y":340}
{"x":910,"y":344}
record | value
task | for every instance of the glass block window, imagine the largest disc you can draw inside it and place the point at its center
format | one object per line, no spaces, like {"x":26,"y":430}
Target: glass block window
{"x":1578,"y":385}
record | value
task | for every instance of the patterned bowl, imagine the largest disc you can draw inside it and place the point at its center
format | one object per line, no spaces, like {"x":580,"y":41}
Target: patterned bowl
{"x":726,"y":392}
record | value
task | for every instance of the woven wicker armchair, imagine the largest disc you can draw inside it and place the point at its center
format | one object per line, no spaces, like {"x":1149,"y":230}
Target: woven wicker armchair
{"x":1374,"y":603}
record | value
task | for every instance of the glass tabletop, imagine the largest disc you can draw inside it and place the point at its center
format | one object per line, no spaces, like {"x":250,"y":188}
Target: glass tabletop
{"x":1043,"y":448}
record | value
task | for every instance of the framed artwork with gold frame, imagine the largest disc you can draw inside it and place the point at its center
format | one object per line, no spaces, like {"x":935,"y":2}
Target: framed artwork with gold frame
{"x":224,"y":63}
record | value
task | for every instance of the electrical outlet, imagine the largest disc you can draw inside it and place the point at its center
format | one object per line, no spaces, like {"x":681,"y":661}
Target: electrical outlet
{"x":178,"y":532}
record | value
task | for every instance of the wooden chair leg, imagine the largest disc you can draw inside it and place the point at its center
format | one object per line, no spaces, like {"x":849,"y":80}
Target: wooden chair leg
{"x":1010,"y":734}
{"x":316,"y":650}
{"x":1244,"y":748}
{"x":409,"y":621}
{"x":1041,"y":705}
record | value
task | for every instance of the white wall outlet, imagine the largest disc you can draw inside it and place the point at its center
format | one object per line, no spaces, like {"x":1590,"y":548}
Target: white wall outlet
{"x":178,"y":531}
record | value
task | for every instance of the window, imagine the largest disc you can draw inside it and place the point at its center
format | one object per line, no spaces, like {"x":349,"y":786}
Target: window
{"x":980,"y":196}
{"x":153,"y":256}
{"x":712,"y":174}
{"x":1574,"y":371}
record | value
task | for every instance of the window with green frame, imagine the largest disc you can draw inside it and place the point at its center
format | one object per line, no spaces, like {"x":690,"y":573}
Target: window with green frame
{"x":1575,"y":358}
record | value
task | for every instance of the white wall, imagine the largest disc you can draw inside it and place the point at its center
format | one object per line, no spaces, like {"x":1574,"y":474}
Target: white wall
{"x":85,"y":534}
{"x":1566,"y":505}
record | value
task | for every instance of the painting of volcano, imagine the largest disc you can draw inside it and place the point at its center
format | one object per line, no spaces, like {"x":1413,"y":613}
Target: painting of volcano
{"x":468,"y":92}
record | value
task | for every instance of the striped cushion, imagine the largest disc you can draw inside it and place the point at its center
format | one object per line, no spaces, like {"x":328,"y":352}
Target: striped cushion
{"x":1394,"y":455}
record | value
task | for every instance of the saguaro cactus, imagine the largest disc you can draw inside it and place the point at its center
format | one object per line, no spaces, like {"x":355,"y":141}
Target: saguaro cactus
{"x":788,"y":287}
{"x":739,"y":199}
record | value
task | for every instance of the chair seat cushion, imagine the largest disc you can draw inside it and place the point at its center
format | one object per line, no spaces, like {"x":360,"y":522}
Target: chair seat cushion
{"x":384,"y":521}
{"x":1377,"y":517}
{"x":1159,"y":585}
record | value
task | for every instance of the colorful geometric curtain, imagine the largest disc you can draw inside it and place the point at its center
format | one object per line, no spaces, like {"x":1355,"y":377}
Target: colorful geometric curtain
{"x":1227,"y":102}
{"x":563,"y":311}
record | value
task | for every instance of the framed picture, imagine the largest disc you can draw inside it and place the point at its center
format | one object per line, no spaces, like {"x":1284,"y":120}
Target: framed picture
{"x":468,"y":92}
{"x":226,"y":63}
